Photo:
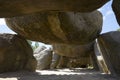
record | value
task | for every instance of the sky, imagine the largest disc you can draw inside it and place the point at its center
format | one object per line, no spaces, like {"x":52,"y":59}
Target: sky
{"x":109,"y":21}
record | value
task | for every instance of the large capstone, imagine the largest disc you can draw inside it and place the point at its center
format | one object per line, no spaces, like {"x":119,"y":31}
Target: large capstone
{"x":109,"y":44}
{"x":58,"y":27}
{"x":9,"y":8}
{"x":15,"y":54}
{"x":73,"y":50}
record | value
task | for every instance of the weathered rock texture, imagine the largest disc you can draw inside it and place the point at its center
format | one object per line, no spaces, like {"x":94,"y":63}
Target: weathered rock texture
{"x":110,"y":47}
{"x":44,"y":58}
{"x":73,"y":50}
{"x":116,"y":9}
{"x":76,"y":55}
{"x":39,"y":49}
{"x":101,"y":62}
{"x":63,"y":62}
{"x":79,"y":63}
{"x":8,"y":8}
{"x":15,"y":54}
{"x":55,"y":60}
{"x":58,"y":27}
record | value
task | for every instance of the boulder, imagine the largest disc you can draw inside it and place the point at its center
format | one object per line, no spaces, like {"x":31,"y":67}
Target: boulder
{"x":39,"y":49}
{"x":55,"y":60}
{"x":8,"y":8}
{"x":15,"y":54}
{"x":79,"y":55}
{"x":58,"y":27}
{"x":109,"y":44}
{"x":74,"y":51}
{"x":82,"y":62}
{"x":63,"y":62}
{"x":44,"y":59}
{"x":68,"y":62}
{"x":100,"y":60}
{"x":116,"y":9}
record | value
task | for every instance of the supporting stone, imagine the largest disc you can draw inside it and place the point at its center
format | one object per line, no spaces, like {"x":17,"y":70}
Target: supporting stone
{"x":55,"y":60}
{"x":43,"y":57}
{"x":109,"y":44}
{"x":15,"y":54}
{"x":70,"y":50}
{"x":100,"y":61}
{"x":94,"y":61}
{"x":63,"y":62}
{"x":79,"y":55}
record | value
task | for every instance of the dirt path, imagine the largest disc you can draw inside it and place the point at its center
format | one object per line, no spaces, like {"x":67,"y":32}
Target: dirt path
{"x":59,"y":74}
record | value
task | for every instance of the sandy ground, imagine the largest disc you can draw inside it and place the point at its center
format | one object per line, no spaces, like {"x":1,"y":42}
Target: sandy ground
{"x":59,"y":74}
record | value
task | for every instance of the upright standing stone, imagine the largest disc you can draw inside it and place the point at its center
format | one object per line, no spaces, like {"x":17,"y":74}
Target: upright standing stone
{"x":78,"y":54}
{"x":55,"y":60}
{"x":70,"y":50}
{"x":100,"y":60}
{"x":15,"y":54}
{"x":109,"y":44}
{"x":44,"y":58}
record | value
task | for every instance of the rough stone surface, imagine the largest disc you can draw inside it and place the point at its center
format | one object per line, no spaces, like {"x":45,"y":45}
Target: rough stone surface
{"x":63,"y":62}
{"x":116,"y":9}
{"x":15,"y":54}
{"x":58,"y":27}
{"x":8,"y":8}
{"x":78,"y":55}
{"x":100,"y":60}
{"x":82,"y":62}
{"x":68,"y":62}
{"x":55,"y":60}
{"x":44,"y":59}
{"x":110,"y":47}
{"x":39,"y":49}
{"x":73,"y":50}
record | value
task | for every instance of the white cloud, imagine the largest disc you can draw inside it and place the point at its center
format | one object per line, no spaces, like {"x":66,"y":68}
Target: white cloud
{"x":104,"y":17}
{"x":109,"y":12}
{"x":100,"y":9}
{"x":2,"y":21}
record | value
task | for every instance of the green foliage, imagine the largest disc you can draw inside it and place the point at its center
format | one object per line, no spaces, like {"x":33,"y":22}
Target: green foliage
{"x":118,"y":29}
{"x":30,"y":42}
{"x":34,"y":45}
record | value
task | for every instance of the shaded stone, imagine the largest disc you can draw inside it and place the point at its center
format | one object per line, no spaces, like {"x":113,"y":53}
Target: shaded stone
{"x":93,"y":59}
{"x":55,"y":60}
{"x":39,"y":49}
{"x":78,"y":55}
{"x":44,"y":59}
{"x":15,"y":54}
{"x":8,"y":8}
{"x":116,"y":9}
{"x":58,"y":27}
{"x":100,"y":61}
{"x":109,"y":44}
{"x":70,"y":50}
{"x":63,"y":62}
{"x":68,"y":62}
{"x":82,"y":62}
